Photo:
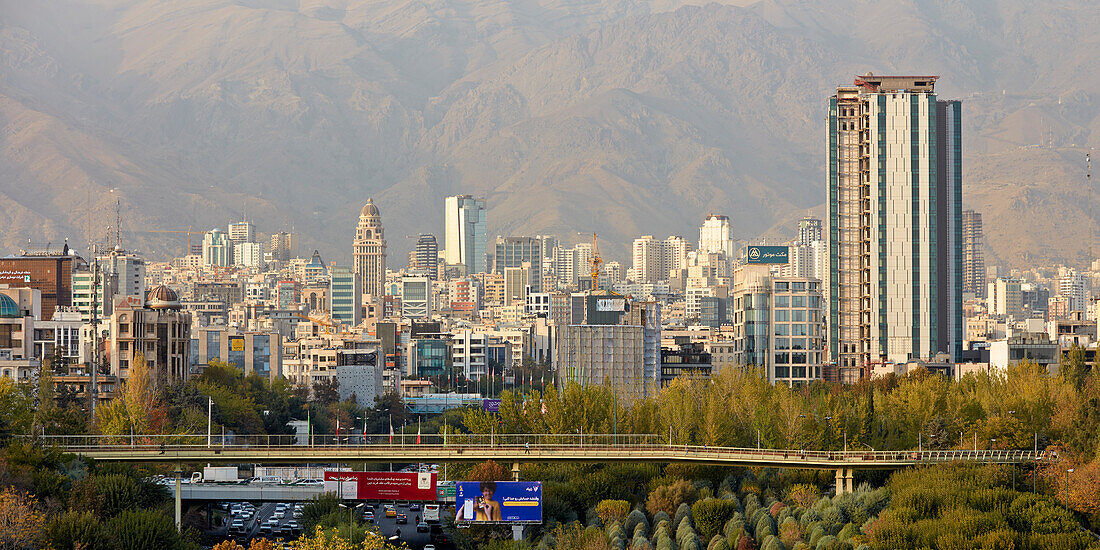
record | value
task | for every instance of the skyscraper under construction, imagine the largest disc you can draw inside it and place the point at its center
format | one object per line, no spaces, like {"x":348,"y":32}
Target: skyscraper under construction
{"x":895,"y":223}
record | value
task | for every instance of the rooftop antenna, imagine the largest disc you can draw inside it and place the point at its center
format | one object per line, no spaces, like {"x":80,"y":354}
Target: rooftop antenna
{"x":118,"y":223}
{"x":1088,"y":181}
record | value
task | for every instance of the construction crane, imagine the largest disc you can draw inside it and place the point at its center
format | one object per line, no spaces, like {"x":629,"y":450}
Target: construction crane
{"x":188,"y":232}
{"x":596,"y":261}
{"x":329,"y":325}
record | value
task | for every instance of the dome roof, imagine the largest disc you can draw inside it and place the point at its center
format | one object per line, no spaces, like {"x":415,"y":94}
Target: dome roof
{"x":8,"y":308}
{"x":162,"y":297}
{"x":369,"y":209}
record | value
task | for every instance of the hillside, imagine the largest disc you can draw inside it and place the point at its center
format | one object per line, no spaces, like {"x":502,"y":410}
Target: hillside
{"x":621,"y":117}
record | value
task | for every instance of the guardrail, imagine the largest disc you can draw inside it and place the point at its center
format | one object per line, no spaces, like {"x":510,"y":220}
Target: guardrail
{"x":521,"y":447}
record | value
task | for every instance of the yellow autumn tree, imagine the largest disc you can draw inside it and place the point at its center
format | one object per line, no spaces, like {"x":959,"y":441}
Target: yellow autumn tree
{"x":331,"y":540}
{"x":137,"y":409}
{"x":20,"y":522}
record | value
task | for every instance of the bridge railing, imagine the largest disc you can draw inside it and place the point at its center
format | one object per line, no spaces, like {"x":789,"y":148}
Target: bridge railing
{"x":640,"y":445}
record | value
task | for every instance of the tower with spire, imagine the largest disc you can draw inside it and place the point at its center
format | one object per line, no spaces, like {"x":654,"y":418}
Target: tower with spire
{"x":370,"y":251}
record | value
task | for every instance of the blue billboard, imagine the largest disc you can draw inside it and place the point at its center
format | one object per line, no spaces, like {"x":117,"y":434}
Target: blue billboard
{"x":498,"y":502}
{"x":767,"y":255}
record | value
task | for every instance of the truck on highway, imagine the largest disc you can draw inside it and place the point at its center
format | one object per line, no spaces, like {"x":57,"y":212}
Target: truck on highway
{"x":431,"y":513}
{"x":219,"y":474}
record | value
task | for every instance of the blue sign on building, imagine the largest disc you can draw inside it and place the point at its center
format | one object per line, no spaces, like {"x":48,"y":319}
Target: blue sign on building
{"x":498,"y":502}
{"x":767,"y":255}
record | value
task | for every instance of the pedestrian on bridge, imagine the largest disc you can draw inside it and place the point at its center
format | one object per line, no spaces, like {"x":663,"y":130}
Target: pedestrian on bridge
{"x":527,"y":447}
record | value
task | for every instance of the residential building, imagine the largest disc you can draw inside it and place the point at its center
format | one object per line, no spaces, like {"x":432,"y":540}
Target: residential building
{"x":809,"y":231}
{"x":17,"y":360}
{"x":895,"y":195}
{"x":370,"y":251}
{"x":469,"y":353}
{"x":427,"y":255}
{"x":518,"y":281}
{"x":716,"y":235}
{"x":686,"y":359}
{"x":1005,"y":298}
{"x":249,"y":254}
{"x":159,"y":330}
{"x":282,"y":246}
{"x":973,"y":265}
{"x":1075,"y":287}
{"x":465,"y":236}
{"x":518,"y":251}
{"x":242,"y":232}
{"x":217,"y":249}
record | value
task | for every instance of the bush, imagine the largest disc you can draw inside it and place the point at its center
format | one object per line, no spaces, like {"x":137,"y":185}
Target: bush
{"x":613,"y":510}
{"x":718,"y":542}
{"x":75,"y":530}
{"x":682,"y":512}
{"x":632,"y":522}
{"x":668,"y":498}
{"x":142,"y":530}
{"x":711,"y":515}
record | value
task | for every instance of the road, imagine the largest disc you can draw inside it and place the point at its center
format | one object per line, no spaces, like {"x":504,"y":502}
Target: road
{"x":388,"y":526}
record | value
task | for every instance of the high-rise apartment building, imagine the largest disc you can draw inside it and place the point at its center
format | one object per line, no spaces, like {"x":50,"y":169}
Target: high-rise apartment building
{"x":370,"y":251}
{"x":249,"y":254}
{"x":895,"y":195}
{"x":1005,"y":298}
{"x":427,"y":255}
{"x":517,"y":283}
{"x":653,"y":260}
{"x":517,"y":251}
{"x":282,"y":245}
{"x":465,"y":233}
{"x":217,"y":249}
{"x":973,"y":263}
{"x":716,"y":236}
{"x":242,"y":232}
{"x":809,"y":231}
{"x":1075,"y":287}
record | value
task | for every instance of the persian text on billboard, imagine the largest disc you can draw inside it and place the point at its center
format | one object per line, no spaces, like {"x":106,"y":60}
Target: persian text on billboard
{"x":498,"y":502}
{"x":768,"y":255}
{"x":610,"y":304}
{"x":382,"y":485}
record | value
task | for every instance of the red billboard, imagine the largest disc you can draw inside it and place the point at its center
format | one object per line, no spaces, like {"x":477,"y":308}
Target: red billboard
{"x":382,"y":485}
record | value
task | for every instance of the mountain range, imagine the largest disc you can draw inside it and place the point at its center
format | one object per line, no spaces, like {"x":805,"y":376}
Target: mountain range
{"x":571,"y":117}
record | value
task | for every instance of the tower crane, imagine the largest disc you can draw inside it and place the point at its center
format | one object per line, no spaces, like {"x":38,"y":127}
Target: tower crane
{"x":188,"y":232}
{"x":595,"y":261}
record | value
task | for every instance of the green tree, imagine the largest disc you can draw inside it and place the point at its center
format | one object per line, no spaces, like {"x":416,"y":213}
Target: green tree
{"x":711,"y":515}
{"x":145,"y":529}
{"x":75,"y":531}
{"x":138,"y":409}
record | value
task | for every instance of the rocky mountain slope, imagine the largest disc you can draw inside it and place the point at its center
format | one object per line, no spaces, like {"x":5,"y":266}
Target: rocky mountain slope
{"x":619,"y":117}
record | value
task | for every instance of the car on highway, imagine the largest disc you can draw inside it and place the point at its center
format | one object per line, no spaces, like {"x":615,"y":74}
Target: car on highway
{"x":402,"y":518}
{"x":429,"y":547}
{"x":422,"y":527}
{"x":390,"y":512}
{"x":293,"y":526}
{"x":236,"y":527}
{"x":368,"y":515}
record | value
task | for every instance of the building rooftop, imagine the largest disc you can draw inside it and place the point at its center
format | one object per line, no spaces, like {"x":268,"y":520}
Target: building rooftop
{"x":873,"y":83}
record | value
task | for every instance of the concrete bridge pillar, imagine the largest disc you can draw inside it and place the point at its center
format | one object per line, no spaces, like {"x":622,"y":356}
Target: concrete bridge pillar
{"x":840,"y":482}
{"x":179,"y":497}
{"x":848,"y":481}
{"x":515,"y":471}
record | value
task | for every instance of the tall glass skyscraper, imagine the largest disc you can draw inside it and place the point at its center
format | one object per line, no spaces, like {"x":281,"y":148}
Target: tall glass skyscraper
{"x":465,"y":236}
{"x":894,"y":231}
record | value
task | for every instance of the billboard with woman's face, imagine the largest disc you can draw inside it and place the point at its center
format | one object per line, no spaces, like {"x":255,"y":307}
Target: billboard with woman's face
{"x":498,"y":502}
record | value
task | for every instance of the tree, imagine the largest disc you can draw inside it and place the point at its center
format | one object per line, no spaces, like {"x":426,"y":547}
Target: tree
{"x":20,"y":521}
{"x":75,"y":531}
{"x":1073,"y":368}
{"x":667,"y":498}
{"x":612,"y":510}
{"x":138,"y":409}
{"x":144,"y":529}
{"x":711,"y":514}
{"x":326,"y":391}
{"x":489,"y":471}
